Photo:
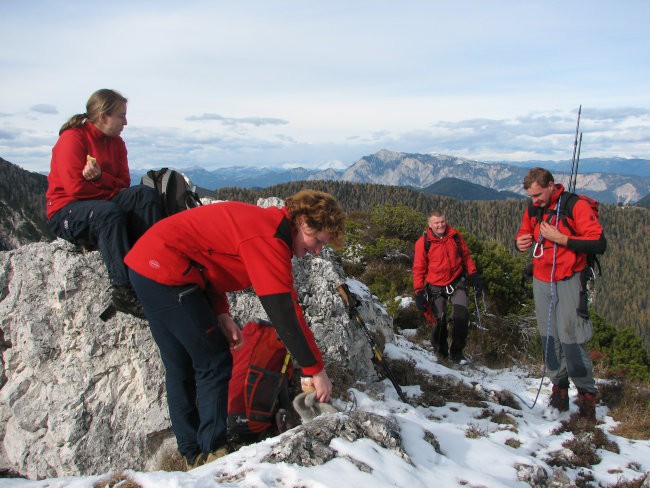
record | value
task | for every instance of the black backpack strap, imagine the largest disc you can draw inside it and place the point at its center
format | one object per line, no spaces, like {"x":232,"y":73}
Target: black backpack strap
{"x":567,"y":202}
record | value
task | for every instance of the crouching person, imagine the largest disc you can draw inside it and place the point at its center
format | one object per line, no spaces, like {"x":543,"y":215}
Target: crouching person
{"x":181,"y":270}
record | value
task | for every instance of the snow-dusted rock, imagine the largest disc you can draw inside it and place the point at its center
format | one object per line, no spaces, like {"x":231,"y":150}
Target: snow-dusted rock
{"x":82,"y":396}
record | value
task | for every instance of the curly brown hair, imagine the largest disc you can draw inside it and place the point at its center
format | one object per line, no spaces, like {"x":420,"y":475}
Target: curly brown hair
{"x":320,"y":211}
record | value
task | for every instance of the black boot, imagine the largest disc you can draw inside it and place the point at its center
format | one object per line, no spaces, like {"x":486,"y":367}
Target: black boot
{"x":124,"y":299}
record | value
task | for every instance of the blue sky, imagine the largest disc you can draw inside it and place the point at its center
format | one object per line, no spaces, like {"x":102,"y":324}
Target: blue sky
{"x":323,"y":83}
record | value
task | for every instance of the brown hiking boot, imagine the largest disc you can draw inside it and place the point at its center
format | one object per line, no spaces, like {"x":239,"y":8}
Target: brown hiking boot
{"x":205,"y":458}
{"x":560,"y":398}
{"x":587,"y":405}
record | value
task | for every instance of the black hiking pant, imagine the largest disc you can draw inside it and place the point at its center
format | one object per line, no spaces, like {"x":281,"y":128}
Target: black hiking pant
{"x":197,"y":360}
{"x":460,"y":318}
{"x":113,"y":225}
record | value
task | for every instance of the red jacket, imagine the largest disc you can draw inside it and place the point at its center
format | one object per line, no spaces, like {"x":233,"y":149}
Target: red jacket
{"x":569,"y":259}
{"x":445,"y":261}
{"x":226,"y":247}
{"x":65,"y":181}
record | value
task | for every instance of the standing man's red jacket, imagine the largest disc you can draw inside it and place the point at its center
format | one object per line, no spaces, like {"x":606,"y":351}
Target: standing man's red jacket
{"x":65,"y":181}
{"x":571,"y":258}
{"x":445,"y":261}
{"x":230,"y":246}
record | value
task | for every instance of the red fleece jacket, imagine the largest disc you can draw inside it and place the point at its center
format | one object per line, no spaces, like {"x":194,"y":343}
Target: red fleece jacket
{"x":230,"y":246}
{"x":65,"y":181}
{"x":445,"y":261}
{"x":567,"y":260}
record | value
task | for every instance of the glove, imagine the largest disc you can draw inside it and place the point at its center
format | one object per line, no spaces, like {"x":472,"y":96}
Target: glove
{"x":421,"y":300}
{"x":476,"y":282}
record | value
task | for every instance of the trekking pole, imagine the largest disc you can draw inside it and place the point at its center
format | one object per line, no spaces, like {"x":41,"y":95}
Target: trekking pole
{"x":575,"y":147}
{"x":575,"y":175}
{"x":352,"y":304}
{"x":478,"y":312}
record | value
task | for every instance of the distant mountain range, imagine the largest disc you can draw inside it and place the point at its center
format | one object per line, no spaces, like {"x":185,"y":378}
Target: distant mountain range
{"x":621,"y":166}
{"x":438,"y":173}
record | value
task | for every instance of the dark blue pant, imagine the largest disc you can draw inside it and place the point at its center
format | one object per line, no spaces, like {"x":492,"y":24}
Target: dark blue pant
{"x":113,"y":225}
{"x":197,"y":361}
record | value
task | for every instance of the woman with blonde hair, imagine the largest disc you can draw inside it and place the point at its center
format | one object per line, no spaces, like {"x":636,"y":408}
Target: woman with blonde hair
{"x":89,"y":198}
{"x":181,"y":270}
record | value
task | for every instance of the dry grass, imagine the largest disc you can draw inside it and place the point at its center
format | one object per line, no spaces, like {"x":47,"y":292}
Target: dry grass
{"x":514,"y":443}
{"x":436,"y":390}
{"x":629,"y":404}
{"x":172,"y":460}
{"x":473,"y":431}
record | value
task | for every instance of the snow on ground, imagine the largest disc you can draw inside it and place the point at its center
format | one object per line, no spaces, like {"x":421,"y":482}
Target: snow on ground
{"x":485,"y":461}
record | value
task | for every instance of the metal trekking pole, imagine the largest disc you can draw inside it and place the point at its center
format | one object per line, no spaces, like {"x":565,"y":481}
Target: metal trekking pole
{"x":478,"y":311}
{"x":575,"y":174}
{"x":575,"y":147}
{"x":352,"y":304}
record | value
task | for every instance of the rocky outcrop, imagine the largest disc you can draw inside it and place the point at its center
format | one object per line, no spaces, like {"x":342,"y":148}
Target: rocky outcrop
{"x":81,"y":396}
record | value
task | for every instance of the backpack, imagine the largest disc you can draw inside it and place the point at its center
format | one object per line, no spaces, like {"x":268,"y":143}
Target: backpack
{"x":567,"y":202}
{"x":258,"y":386}
{"x":176,"y":191}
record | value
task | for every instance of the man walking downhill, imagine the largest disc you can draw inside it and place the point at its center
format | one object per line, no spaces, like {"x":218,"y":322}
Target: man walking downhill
{"x":442,"y":266}
{"x":560,"y":248}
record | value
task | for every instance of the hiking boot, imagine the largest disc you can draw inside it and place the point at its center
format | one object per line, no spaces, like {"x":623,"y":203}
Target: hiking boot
{"x":205,"y":458}
{"x":194,"y":462}
{"x":216,"y":454}
{"x":124,"y":299}
{"x":587,"y":406}
{"x":560,"y":398}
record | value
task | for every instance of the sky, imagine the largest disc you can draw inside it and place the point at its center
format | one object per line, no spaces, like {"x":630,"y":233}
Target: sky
{"x":482,"y":461}
{"x":319,"y":84}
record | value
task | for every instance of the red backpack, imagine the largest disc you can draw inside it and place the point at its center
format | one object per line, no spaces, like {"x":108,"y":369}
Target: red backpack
{"x":262,"y":369}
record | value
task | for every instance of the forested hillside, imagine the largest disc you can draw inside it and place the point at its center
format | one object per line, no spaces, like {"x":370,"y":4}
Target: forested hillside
{"x":22,"y":206}
{"x":622,"y":294}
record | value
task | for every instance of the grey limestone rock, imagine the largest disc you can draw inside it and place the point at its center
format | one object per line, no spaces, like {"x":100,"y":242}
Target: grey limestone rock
{"x":80,"y":396}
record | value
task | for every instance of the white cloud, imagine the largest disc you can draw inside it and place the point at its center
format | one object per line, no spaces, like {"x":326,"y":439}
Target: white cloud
{"x":270,"y":82}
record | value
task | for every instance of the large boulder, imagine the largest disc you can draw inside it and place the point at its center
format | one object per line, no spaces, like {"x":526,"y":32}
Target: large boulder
{"x":81,"y":396}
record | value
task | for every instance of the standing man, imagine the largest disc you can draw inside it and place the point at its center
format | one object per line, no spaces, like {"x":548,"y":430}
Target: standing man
{"x":441,"y":267}
{"x":560,"y":247}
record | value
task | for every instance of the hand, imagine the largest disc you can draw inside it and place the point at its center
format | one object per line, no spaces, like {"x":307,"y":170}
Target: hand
{"x":92,"y":171}
{"x":323,"y":386}
{"x":421,"y":300}
{"x":230,"y":330}
{"x":476,"y":281}
{"x":552,"y":234}
{"x":524,"y":242}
